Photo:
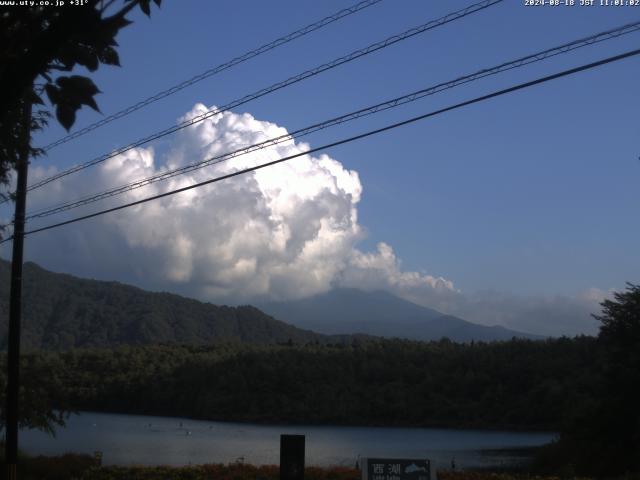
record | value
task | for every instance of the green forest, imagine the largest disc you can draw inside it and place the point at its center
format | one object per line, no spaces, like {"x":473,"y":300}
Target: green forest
{"x":62,"y":312}
{"x":518,"y":384}
{"x":583,"y":387}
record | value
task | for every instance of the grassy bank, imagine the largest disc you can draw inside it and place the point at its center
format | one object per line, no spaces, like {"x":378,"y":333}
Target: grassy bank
{"x":83,"y":467}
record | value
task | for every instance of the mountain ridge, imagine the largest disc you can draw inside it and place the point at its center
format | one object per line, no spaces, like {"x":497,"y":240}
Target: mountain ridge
{"x":61,"y":311}
{"x":379,"y":313}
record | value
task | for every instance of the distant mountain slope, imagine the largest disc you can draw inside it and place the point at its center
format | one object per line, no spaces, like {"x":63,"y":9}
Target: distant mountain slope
{"x":62,"y":311}
{"x":348,"y":311}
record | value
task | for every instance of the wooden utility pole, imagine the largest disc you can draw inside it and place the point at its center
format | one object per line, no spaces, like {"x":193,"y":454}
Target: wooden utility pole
{"x":15,"y":302}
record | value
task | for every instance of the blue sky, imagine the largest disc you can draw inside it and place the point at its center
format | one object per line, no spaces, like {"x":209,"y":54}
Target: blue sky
{"x":533,"y":194}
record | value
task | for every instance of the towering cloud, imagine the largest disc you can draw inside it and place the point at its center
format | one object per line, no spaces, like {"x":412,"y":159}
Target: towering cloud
{"x":287,"y":231}
{"x":283,"y":232}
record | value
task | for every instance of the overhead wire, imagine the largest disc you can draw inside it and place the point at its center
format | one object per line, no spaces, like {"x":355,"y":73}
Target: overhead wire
{"x":215,"y":70}
{"x":456,"y":15}
{"x":479,"y":99}
{"x":395,"y":102}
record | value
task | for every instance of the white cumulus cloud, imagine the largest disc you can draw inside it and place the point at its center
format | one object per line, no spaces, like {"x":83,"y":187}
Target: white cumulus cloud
{"x":286,"y":231}
{"x":283,"y":232}
{"x":381,"y":270}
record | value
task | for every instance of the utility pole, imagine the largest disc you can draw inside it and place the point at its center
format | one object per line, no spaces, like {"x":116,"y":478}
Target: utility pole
{"x":15,"y":303}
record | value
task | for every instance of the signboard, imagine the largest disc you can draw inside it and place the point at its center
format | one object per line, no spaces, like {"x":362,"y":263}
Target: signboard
{"x":396,"y":469}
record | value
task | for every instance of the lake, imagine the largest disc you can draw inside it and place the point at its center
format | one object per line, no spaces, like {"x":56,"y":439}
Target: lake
{"x":146,"y":440}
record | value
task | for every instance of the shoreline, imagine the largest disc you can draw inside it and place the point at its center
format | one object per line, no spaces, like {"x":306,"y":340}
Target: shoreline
{"x":147,"y":440}
{"x":293,"y":424}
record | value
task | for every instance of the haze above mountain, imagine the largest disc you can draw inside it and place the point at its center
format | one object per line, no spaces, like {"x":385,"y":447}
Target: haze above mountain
{"x":61,"y":311}
{"x":348,"y":311}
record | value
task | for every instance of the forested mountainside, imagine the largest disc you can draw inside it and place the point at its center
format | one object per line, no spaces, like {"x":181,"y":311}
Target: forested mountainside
{"x":62,"y":311}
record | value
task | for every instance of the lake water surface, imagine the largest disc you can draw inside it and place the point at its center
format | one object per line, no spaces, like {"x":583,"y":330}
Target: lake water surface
{"x":145,"y":440}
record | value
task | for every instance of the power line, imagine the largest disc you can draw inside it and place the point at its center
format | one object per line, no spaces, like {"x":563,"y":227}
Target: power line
{"x":498,"y":93}
{"x":522,"y":61}
{"x":277,"y":86}
{"x":215,"y":70}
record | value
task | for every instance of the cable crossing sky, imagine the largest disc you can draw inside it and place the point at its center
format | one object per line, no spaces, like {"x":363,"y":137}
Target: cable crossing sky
{"x":411,"y":97}
{"x":483,"y":98}
{"x":215,"y":70}
{"x":476,"y":7}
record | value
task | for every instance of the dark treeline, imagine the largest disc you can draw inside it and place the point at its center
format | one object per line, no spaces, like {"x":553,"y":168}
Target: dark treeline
{"x":516,"y":384}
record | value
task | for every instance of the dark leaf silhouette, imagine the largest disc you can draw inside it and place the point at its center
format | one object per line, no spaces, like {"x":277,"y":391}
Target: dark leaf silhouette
{"x":66,"y":115}
{"x":37,"y":44}
{"x":145,"y":6}
{"x":109,"y":56}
